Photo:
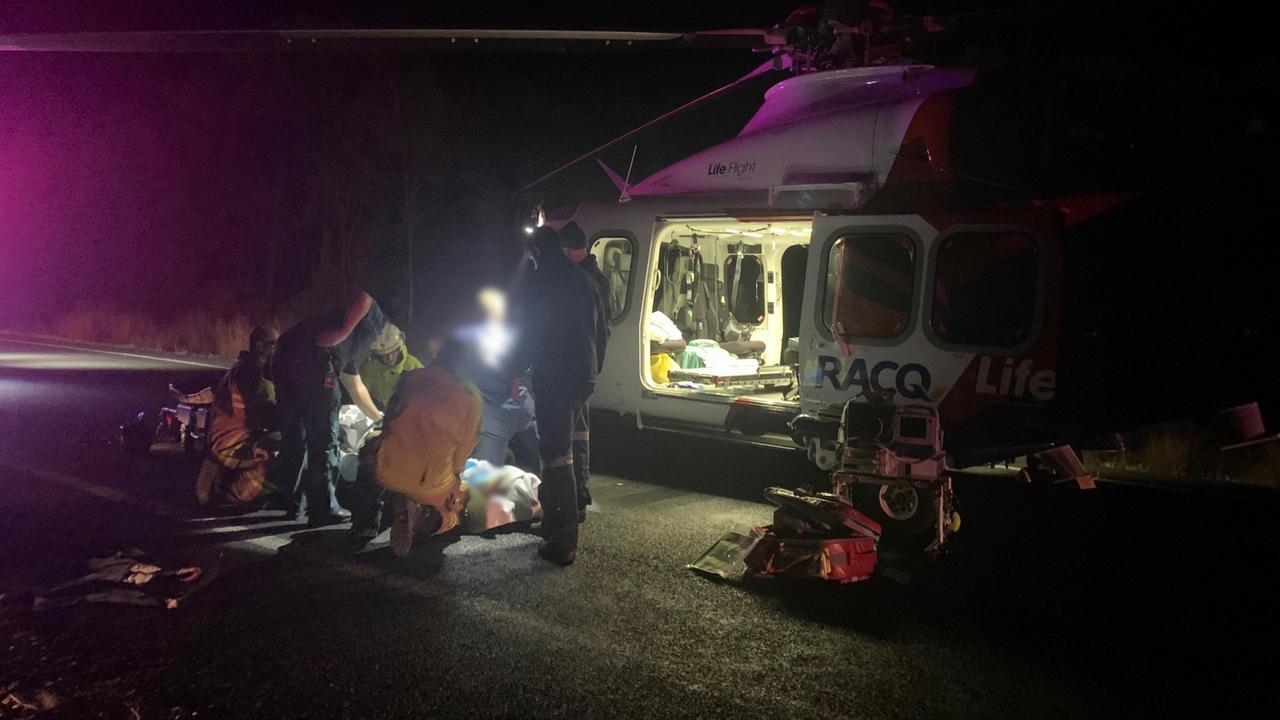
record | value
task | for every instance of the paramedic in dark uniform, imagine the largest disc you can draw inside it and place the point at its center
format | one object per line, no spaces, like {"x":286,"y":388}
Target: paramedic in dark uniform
{"x":561,"y":338}
{"x":574,"y":244}
{"x":309,"y":361}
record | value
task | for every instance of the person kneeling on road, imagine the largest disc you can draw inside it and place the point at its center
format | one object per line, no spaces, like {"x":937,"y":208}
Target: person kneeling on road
{"x":240,"y":438}
{"x":417,"y":458}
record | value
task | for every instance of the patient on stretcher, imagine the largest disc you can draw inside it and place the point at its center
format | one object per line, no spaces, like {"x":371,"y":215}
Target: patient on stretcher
{"x":498,"y":496}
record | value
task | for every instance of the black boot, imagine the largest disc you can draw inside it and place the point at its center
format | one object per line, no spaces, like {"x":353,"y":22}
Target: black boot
{"x":558,"y":496}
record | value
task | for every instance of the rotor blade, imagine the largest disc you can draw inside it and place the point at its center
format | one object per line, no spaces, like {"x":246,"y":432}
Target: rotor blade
{"x":205,"y":41}
{"x":768,"y":36}
{"x":765,"y":68}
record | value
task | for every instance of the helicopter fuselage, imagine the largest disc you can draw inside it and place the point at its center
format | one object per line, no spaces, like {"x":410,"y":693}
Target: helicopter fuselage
{"x":856,"y":243}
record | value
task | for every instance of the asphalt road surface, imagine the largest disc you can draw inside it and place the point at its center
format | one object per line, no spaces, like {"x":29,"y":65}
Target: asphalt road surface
{"x":1052,"y":602}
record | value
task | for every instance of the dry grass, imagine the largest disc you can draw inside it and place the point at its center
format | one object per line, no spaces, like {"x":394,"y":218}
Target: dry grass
{"x":1184,"y":451}
{"x":1258,"y":465}
{"x":195,"y":333}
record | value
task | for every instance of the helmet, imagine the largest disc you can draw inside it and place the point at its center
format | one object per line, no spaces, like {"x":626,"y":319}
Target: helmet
{"x":388,"y":341}
{"x":262,"y":335}
{"x":261,"y":341}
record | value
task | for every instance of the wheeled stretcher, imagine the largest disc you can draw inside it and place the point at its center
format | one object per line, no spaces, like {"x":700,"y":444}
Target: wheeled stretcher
{"x":737,"y":378}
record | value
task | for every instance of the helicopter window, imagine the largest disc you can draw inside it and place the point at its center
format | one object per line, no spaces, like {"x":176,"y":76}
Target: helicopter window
{"x":870,"y":280}
{"x":744,"y":288}
{"x":984,"y":290}
{"x":613,"y":255}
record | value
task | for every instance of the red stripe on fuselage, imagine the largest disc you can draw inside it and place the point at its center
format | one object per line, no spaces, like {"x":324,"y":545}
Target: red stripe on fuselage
{"x":918,"y":176}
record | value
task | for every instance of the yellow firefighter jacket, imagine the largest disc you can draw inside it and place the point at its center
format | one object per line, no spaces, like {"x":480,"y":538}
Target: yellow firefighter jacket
{"x":242,"y":407}
{"x":430,"y":429}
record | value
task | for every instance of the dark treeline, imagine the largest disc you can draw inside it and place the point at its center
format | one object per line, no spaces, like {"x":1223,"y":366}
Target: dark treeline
{"x":252,"y":187}
{"x":244,"y":184}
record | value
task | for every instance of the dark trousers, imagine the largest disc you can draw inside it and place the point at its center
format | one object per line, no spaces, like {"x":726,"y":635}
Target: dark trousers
{"x":581,"y":445}
{"x":564,"y":444}
{"x":308,"y":415}
{"x":508,"y":426}
{"x":525,"y":452}
{"x":364,"y":497}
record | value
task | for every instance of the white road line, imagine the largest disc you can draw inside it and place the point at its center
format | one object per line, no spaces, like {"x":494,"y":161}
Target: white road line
{"x":269,"y":543}
{"x":101,"y":491}
{"x":114,"y":352}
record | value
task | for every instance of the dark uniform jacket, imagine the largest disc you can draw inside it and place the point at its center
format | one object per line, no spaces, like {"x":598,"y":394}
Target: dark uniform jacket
{"x":298,"y":361}
{"x":564,"y":325}
{"x":600,"y":284}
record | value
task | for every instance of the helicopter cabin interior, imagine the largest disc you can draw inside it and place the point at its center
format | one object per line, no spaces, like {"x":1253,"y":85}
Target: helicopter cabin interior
{"x":723,"y":306}
{"x":723,"y":298}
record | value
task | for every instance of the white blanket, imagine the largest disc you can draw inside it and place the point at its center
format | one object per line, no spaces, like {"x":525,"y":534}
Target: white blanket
{"x":499,"y":496}
{"x":662,"y":329}
{"x":353,"y":428}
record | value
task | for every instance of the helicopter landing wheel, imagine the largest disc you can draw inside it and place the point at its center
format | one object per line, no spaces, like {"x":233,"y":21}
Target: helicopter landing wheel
{"x":901,"y":510}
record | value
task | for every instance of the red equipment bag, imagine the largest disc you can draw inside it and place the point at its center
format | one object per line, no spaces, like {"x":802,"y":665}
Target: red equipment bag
{"x":842,"y":560}
{"x":819,"y":513}
{"x":815,"y":535}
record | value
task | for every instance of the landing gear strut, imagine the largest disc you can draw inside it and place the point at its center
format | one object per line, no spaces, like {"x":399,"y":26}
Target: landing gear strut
{"x":904,"y":509}
{"x":892,"y":467}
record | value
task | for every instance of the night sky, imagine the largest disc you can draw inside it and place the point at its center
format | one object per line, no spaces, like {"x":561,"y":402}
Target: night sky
{"x":160,"y":182}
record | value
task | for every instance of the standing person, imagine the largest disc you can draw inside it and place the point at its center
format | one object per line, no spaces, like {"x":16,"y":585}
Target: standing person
{"x":389,"y":360}
{"x":310,"y":360}
{"x":508,"y":420}
{"x":240,"y":437}
{"x":561,"y":339}
{"x":430,"y":428}
{"x":575,"y":246}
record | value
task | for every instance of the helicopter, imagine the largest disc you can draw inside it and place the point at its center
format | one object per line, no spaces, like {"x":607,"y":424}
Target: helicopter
{"x":886,"y":267}
{"x":903,"y":269}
